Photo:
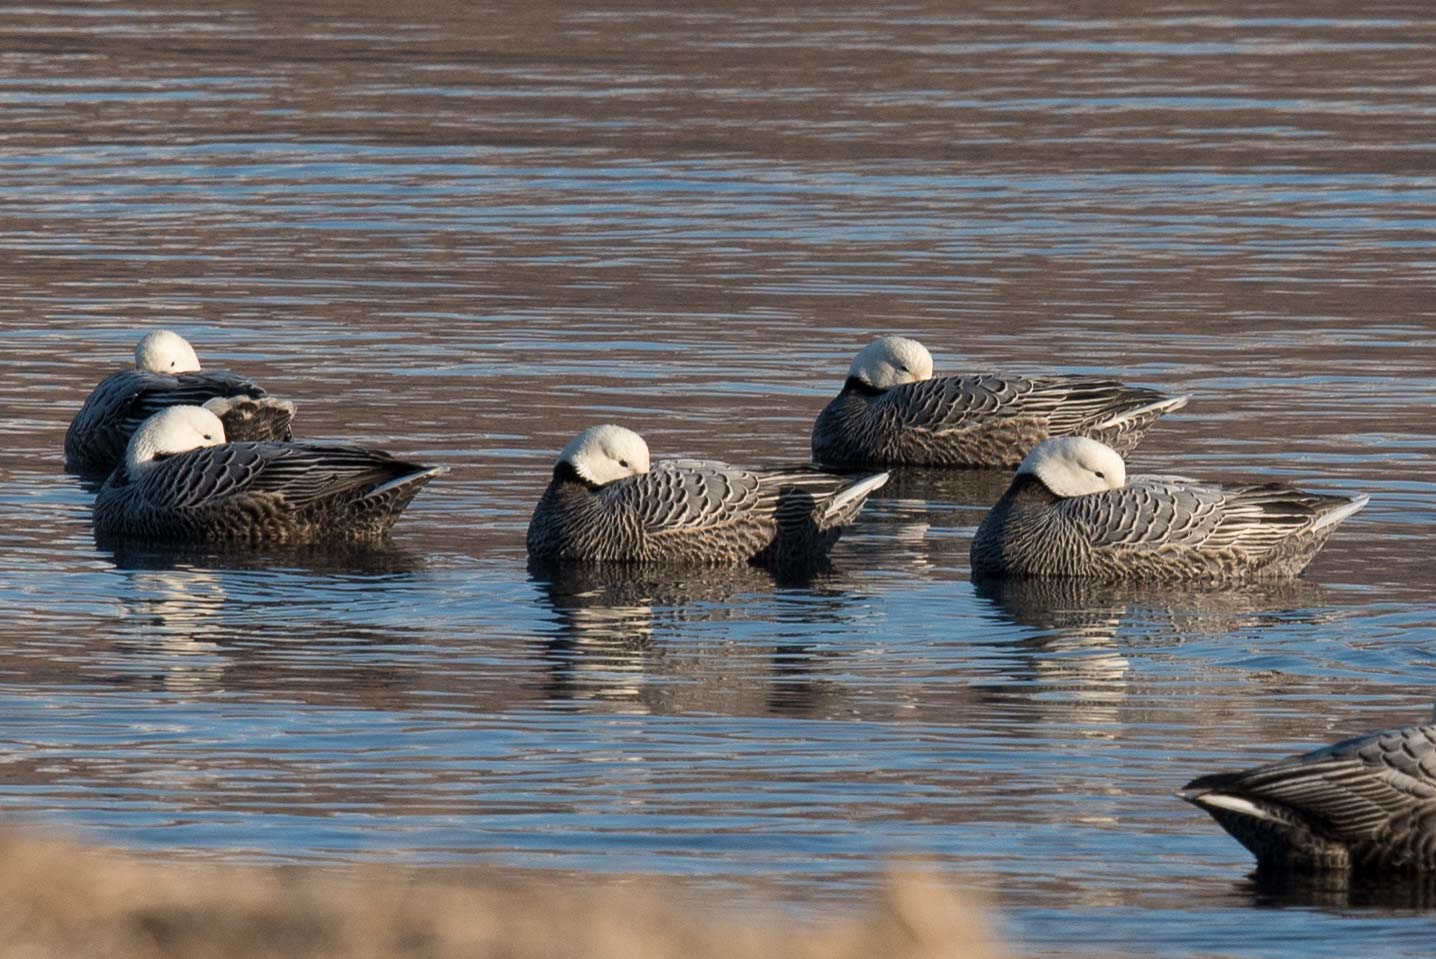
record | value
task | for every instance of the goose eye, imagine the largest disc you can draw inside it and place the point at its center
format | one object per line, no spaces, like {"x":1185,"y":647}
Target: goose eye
{"x":1100,"y":474}
{"x":623,"y":463}
{"x":208,"y":437}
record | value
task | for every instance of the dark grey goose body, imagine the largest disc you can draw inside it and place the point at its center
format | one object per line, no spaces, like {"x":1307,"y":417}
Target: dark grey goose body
{"x":167,"y":374}
{"x":251,"y":493}
{"x":686,"y":511}
{"x":1366,"y":805}
{"x":892,"y":412}
{"x":1071,"y":511}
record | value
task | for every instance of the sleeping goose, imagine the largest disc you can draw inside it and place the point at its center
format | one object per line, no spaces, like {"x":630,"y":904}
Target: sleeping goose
{"x":892,"y":412}
{"x":1363,"y":805}
{"x":166,"y":373}
{"x":605,"y":503}
{"x":1072,"y":511}
{"x":181,"y":482}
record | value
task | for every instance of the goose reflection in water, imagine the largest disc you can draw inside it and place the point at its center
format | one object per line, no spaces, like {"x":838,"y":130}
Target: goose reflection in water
{"x":922,"y":520}
{"x":182,"y":631}
{"x":971,"y":492}
{"x":1075,"y":647}
{"x":321,"y":559}
{"x":1340,"y":892}
{"x":1075,"y":643}
{"x":635,"y":638}
{"x":173,"y":628}
{"x":1077,"y":606}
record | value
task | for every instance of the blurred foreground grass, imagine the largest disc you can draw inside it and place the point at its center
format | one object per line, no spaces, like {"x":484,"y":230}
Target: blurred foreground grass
{"x":65,"y":900}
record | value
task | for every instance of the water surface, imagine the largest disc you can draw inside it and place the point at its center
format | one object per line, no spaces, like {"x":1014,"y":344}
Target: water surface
{"x":464,"y":232}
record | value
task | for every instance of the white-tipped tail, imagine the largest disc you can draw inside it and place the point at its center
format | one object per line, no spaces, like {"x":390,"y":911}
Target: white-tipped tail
{"x":1230,"y":803}
{"x":856,"y":493}
{"x":1341,"y":512}
{"x":1159,"y":407}
{"x":406,"y":480}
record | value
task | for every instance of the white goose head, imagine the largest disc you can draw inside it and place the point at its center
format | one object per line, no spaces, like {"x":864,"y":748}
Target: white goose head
{"x":164,"y":351}
{"x":602,"y":454}
{"x":177,"y":429}
{"x":891,"y":361}
{"x":1075,"y":466}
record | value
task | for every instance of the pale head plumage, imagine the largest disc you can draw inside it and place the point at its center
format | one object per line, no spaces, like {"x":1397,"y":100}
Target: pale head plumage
{"x":891,"y":361}
{"x":164,"y":351}
{"x":1075,"y":466}
{"x":602,"y":454}
{"x":177,"y":429}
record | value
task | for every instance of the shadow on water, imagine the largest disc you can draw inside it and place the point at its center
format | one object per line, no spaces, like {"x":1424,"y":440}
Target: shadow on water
{"x":640,"y":633}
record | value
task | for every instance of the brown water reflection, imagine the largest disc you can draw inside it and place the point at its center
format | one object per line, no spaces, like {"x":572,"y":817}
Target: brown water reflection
{"x":465,"y":231}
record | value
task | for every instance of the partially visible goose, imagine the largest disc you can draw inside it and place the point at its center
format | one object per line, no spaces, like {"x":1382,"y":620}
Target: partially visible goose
{"x":166,"y":373}
{"x":181,"y":482}
{"x":606,"y":504}
{"x":1363,"y":805}
{"x":892,"y":412}
{"x":1071,"y":511}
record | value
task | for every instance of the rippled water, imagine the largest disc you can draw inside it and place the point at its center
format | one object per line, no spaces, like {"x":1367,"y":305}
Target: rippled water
{"x":464,"y":232}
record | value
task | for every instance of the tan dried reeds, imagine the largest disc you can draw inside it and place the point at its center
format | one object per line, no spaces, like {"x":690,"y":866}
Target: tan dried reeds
{"x":65,"y":900}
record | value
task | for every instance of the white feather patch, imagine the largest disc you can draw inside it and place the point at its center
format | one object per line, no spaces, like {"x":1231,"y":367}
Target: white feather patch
{"x":1233,"y":804}
{"x":857,"y":491}
{"x":1341,"y":512}
{"x":1162,"y":406}
{"x":404,"y":481}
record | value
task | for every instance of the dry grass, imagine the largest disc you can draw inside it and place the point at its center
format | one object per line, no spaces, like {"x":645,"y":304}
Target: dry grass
{"x":63,"y":900}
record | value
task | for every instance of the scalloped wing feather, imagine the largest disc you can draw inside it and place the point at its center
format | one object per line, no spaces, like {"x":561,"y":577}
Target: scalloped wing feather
{"x":948,"y":403}
{"x":1155,"y":511}
{"x":1148,"y":514}
{"x":686,"y":496}
{"x":1067,"y":404}
{"x":300,"y":474}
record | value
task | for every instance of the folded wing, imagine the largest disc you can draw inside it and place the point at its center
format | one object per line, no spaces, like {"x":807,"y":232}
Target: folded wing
{"x":1350,"y":791}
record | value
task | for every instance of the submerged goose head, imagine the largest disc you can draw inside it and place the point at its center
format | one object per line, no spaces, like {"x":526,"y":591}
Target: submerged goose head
{"x":891,"y":361}
{"x":1075,"y":466}
{"x":177,"y":429}
{"x":165,"y":352}
{"x":602,"y":454}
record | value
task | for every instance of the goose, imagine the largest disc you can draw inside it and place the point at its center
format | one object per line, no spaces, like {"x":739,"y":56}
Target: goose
{"x":1364,"y":805}
{"x":181,"y":482}
{"x":1071,"y":511}
{"x":167,"y":373}
{"x":606,"y":503}
{"x":893,"y":412}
